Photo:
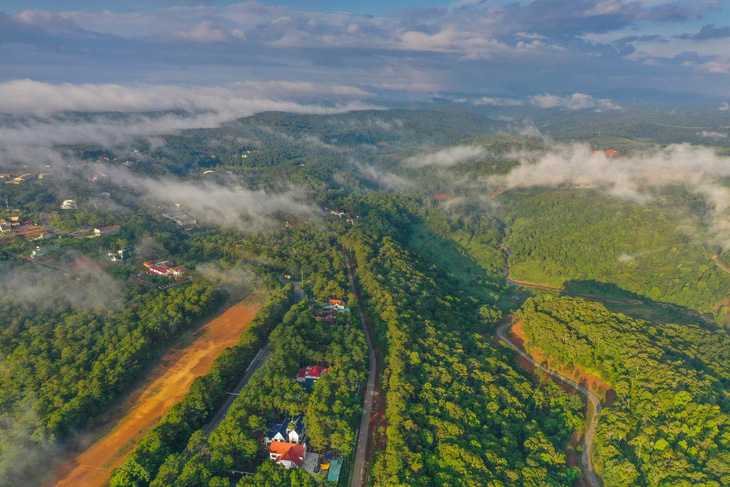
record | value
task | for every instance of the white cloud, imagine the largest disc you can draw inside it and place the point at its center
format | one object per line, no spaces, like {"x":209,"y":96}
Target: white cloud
{"x":527,"y":35}
{"x":629,"y":177}
{"x":49,"y":21}
{"x":450,"y":156}
{"x":724,"y":106}
{"x":242,"y":98}
{"x":29,"y":139}
{"x":576,"y":101}
{"x":712,"y":135}
{"x":204,"y":32}
{"x":470,"y":45}
{"x":498,"y":102}
{"x":232,"y":207}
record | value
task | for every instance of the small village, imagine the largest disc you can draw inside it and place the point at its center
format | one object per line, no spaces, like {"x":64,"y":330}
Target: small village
{"x":286,"y":441}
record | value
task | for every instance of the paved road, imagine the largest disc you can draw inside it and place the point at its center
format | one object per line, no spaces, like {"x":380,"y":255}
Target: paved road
{"x":586,"y":463}
{"x":255,"y":365}
{"x":362,"y":438}
{"x":45,"y":222}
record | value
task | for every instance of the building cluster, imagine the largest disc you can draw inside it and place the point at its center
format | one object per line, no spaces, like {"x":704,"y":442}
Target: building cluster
{"x":165,"y":268}
{"x":21,"y":178}
{"x":287,"y":446}
{"x":121,"y":254}
{"x":343,"y":214}
{"x":18,"y":226}
{"x":247,"y":153}
{"x":183,"y":221}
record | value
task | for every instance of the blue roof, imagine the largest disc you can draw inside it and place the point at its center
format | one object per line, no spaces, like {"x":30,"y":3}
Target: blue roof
{"x":283,"y":428}
{"x":335,"y":467}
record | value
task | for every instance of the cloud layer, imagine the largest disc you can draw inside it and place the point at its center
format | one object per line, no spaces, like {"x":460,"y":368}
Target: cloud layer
{"x":571,"y":46}
{"x":232,"y":207}
{"x":450,"y":156}
{"x":631,"y":177}
{"x":233,"y":99}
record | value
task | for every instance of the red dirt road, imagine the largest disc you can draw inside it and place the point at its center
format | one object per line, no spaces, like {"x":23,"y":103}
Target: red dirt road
{"x":146,"y":407}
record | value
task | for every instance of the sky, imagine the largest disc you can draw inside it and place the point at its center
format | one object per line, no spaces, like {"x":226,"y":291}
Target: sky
{"x":573,"y":54}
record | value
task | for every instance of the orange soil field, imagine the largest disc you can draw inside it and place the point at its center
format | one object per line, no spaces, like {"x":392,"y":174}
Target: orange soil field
{"x":169,"y":383}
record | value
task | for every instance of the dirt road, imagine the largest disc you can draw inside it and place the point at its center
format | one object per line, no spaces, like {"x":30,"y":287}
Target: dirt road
{"x":586,"y":463}
{"x":167,"y":386}
{"x":719,"y":263}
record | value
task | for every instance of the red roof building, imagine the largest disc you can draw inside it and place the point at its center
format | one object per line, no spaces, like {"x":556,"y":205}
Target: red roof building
{"x":107,"y":230}
{"x":288,"y":454}
{"x":312,"y":372}
{"x":160,"y":271}
{"x":607,"y":153}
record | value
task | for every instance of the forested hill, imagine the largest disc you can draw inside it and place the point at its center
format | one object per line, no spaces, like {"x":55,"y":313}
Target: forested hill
{"x":587,"y":242}
{"x":457,"y":411}
{"x":670,"y":421}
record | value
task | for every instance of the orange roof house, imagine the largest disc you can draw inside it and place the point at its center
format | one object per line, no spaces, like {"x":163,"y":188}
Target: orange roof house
{"x":287,"y":454}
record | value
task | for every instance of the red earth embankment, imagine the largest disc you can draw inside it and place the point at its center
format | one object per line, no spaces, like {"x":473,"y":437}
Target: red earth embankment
{"x":593,"y":383}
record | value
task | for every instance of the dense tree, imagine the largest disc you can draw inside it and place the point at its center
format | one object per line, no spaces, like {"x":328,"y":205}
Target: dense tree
{"x":669,"y":422}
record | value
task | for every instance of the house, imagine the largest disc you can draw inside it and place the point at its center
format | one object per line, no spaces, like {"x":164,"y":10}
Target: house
{"x":329,"y":319}
{"x":125,"y":253}
{"x":106,"y":230}
{"x":46,"y":235}
{"x":288,"y":431}
{"x":159,"y":270}
{"x":179,"y":271}
{"x":312,"y":372}
{"x":322,"y":314}
{"x":287,"y":454}
{"x":336,"y":304}
{"x":41,"y":251}
{"x":5,"y":227}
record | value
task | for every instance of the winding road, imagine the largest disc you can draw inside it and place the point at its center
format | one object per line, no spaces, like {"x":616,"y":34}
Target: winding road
{"x":586,"y":463}
{"x":358,"y":467}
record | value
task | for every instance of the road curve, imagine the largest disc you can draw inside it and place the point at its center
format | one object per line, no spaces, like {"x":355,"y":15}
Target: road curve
{"x":358,"y":467}
{"x":586,"y":463}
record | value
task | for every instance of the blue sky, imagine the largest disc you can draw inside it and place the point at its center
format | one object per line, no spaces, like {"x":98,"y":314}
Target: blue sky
{"x":489,"y":52}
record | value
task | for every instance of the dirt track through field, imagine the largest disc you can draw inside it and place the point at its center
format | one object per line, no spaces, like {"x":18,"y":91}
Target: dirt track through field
{"x":167,"y":385}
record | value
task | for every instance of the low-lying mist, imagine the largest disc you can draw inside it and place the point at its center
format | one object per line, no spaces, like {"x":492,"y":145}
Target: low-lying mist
{"x":632,"y":176}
